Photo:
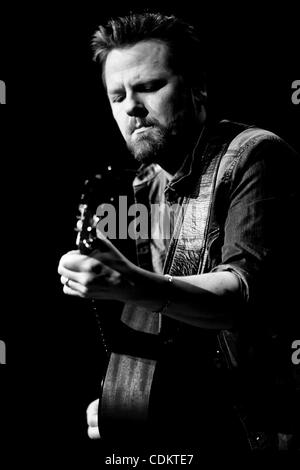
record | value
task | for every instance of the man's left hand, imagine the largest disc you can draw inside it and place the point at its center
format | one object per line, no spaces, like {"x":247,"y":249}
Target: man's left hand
{"x":103,"y":274}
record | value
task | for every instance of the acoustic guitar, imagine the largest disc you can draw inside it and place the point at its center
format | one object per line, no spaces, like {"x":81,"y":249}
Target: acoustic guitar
{"x":132,"y":352}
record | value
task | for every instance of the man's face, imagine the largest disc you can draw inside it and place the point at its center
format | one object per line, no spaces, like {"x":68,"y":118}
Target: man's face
{"x":148,"y":99}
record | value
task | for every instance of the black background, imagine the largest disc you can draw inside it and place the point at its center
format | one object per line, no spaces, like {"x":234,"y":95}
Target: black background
{"x":56,"y":130}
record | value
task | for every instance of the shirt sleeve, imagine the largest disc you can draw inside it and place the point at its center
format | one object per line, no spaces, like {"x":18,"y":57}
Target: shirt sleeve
{"x":259,"y":216}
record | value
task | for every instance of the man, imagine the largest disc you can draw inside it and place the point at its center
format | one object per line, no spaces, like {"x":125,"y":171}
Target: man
{"x":209,"y":289}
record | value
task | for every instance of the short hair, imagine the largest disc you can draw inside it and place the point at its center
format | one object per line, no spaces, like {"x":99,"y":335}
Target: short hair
{"x":182,"y":38}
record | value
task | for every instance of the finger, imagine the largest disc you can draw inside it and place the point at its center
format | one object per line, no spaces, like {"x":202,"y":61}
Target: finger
{"x":64,"y":280}
{"x":111,"y":257}
{"x":92,"y":414}
{"x":75,"y":276}
{"x":101,"y":290}
{"x":72,"y":287}
{"x":67,"y":280}
{"x":70,"y":282}
{"x":69,"y":291}
{"x":93,"y":420}
{"x":93,"y":433}
{"x":75,"y":261}
{"x":66,"y":255}
{"x":85,"y":277}
{"x":93,"y":408}
{"x":84,"y":282}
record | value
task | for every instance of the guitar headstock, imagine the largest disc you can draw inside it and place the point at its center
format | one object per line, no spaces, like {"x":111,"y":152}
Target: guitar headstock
{"x":87,"y":219}
{"x":100,"y":189}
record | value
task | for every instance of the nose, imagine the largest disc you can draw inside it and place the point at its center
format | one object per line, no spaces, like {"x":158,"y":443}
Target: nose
{"x":134,"y":107}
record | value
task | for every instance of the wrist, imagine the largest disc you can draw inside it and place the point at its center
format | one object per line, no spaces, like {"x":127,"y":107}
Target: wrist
{"x":168,"y":285}
{"x":148,"y":289}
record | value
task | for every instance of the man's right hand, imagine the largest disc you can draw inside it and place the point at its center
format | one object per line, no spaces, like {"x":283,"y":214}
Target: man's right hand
{"x":92,"y":420}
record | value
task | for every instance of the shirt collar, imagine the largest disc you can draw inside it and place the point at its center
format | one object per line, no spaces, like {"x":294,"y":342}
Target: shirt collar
{"x":180,"y":181}
{"x":146,"y":173}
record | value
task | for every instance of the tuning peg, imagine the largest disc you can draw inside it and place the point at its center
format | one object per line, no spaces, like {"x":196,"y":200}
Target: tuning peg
{"x":96,"y":219}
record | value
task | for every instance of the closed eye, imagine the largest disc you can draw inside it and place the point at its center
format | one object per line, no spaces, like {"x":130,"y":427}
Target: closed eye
{"x":116,"y":98}
{"x":151,"y":86}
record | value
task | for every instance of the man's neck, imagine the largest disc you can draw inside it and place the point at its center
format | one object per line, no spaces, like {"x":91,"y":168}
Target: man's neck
{"x":174,"y":160}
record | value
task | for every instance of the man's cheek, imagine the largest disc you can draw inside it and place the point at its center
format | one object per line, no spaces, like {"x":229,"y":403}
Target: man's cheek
{"x":122,"y":125}
{"x":117,"y":114}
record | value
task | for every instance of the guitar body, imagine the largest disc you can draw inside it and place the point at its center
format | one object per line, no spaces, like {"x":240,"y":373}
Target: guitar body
{"x":126,"y":390}
{"x":128,"y":380}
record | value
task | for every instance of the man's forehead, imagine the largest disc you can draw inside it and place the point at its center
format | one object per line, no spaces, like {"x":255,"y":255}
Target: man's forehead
{"x":147,"y":57}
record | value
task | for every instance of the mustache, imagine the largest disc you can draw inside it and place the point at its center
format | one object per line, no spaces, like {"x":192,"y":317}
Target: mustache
{"x":142,"y":122}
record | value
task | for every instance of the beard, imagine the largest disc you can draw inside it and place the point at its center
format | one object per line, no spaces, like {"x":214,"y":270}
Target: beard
{"x":148,"y":147}
{"x":154,"y":144}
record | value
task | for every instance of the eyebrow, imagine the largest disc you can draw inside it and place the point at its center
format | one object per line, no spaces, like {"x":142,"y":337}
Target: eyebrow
{"x":115,"y":91}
